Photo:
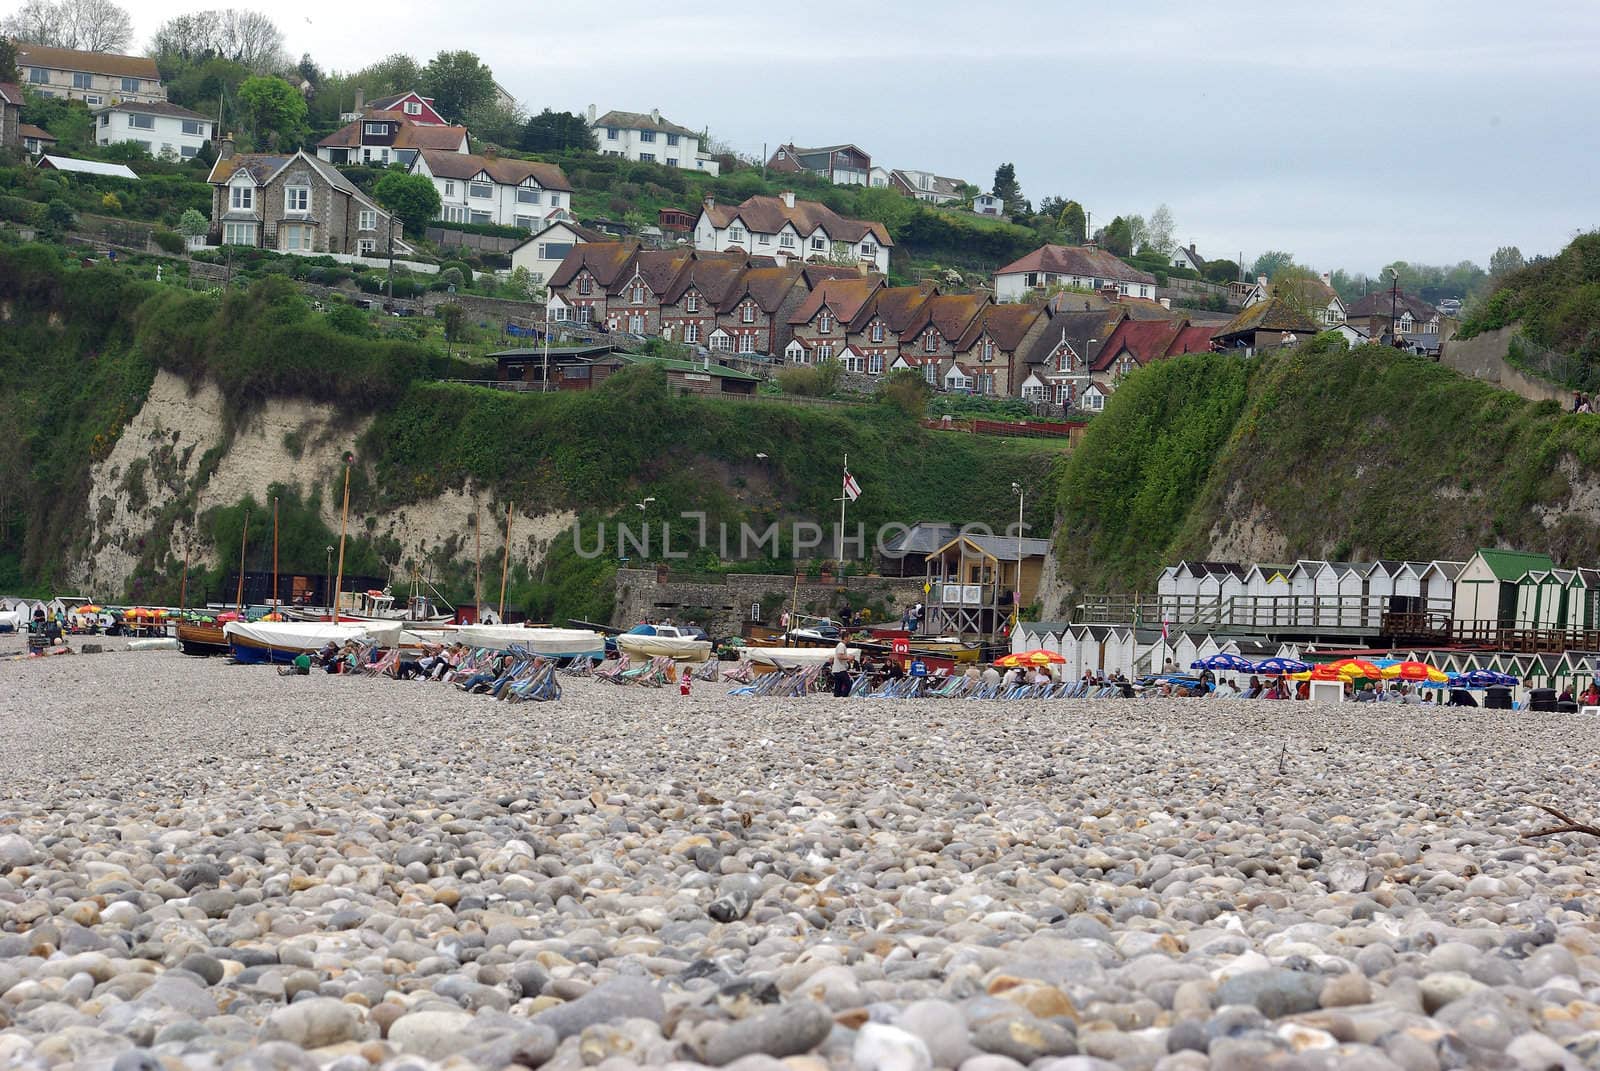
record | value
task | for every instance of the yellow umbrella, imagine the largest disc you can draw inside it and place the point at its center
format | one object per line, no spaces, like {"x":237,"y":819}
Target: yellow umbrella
{"x":1036,"y":657}
{"x":1414,"y":671}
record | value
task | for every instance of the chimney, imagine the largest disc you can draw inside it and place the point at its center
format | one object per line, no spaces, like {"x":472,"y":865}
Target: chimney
{"x":1327,"y":279}
{"x":361,"y":100}
{"x":1110,"y":292}
{"x":655,"y":114}
{"x":788,"y":198}
{"x":711,"y":202}
{"x":1166,"y":302}
{"x":225,"y":146}
{"x":1261,"y":280}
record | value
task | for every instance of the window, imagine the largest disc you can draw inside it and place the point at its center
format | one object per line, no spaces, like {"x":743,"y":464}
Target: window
{"x":527,"y":196}
{"x":988,"y":350}
{"x":747,"y":343}
{"x":853,"y":361}
{"x":480,"y":189}
{"x":672,"y":139}
{"x":585,"y":314}
{"x":367,"y":220}
{"x":930,"y":372}
{"x":765,"y":239}
{"x":188,"y":152}
{"x":930,"y":340}
{"x":875,"y":364}
{"x":722,"y":342}
{"x":145,"y":145}
{"x":786,"y":241}
{"x":819,"y":244}
{"x":611,"y":133}
{"x":691,"y":332}
{"x":636,"y":293}
{"x":376,"y":129}
{"x":647,"y":136}
{"x":38,"y":76}
{"x":194,"y":128}
{"x":297,"y":198}
{"x":986,"y":383}
{"x":824,"y":322}
{"x":295,"y":236}
{"x":877,"y":330}
{"x":555,"y":200}
{"x":105,"y":118}
{"x":869,"y":250}
{"x":1031,"y":279}
{"x":82,"y":81}
{"x":747,"y":313}
{"x":585,"y":284}
{"x":130,"y":85}
{"x":824,"y":351}
{"x":647,"y":158}
{"x":413,"y":108}
{"x":1095,"y":401}
{"x":238,"y":234}
{"x":244,"y":198}
{"x":691,"y":302}
{"x":91,"y":99}
{"x":735,"y":234}
{"x":479,"y":217}
{"x":672,"y":161}
{"x":366,"y":247}
{"x":449,"y":189}
{"x":554,"y":250}
{"x":455,"y":214}
{"x":636,"y":323}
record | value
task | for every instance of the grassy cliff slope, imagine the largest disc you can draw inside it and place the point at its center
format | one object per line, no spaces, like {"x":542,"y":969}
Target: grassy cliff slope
{"x":1322,"y":452}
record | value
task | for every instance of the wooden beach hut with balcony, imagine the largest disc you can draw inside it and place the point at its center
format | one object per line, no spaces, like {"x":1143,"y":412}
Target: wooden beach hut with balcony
{"x":1486,"y":591}
{"x":976,"y":581}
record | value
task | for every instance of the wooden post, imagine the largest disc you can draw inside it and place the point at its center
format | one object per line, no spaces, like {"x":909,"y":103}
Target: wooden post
{"x":344,"y":517}
{"x":505,"y":566}
{"x":276,"y":602}
{"x":183,"y":585}
{"x":477,"y":584}
{"x":244,"y":537}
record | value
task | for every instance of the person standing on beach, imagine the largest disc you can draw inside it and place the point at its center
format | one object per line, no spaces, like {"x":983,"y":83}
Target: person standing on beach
{"x":841,"y":670}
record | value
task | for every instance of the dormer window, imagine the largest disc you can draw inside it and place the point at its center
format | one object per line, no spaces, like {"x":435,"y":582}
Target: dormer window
{"x":413,"y":108}
{"x":377,"y":129}
{"x":824,"y":322}
{"x":297,"y":198}
{"x":244,"y":198}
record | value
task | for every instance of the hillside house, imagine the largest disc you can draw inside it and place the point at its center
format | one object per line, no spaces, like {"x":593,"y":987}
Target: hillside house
{"x":159,"y":128}
{"x":1057,"y":367}
{"x":1399,"y":318}
{"x":1312,"y":296}
{"x":95,"y":78}
{"x":987,"y":204}
{"x":1080,"y":267}
{"x":926,"y":186}
{"x":411,"y":104}
{"x":783,"y":227}
{"x":820,"y":325}
{"x":294,"y":204}
{"x":579,"y":287}
{"x":928,"y":343}
{"x":543,"y":251}
{"x":647,"y":137}
{"x":754,"y":318}
{"x":1266,"y":324}
{"x":1135,"y":343}
{"x":482,"y":189}
{"x":380,"y":138}
{"x":36,"y":141}
{"x":842,"y":165}
{"x":1188,"y":258}
{"x":690,"y":303}
{"x":633,"y":302}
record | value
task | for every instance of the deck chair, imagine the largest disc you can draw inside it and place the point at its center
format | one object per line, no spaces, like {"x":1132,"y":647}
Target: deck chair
{"x":710,"y":670}
{"x":582,"y":666}
{"x":612,"y":670}
{"x":538,"y":685}
{"x":743,"y":672}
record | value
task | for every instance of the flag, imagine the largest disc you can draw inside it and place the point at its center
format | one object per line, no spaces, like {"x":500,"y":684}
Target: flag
{"x":852,"y":490}
{"x":1165,"y":634}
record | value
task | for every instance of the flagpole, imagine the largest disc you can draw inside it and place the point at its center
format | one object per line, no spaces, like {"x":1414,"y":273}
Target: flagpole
{"x":843,"y":498}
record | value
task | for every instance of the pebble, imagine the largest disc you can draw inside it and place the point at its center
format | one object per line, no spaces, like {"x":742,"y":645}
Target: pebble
{"x":196,"y":875}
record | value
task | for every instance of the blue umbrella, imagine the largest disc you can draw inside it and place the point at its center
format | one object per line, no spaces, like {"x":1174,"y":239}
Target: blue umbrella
{"x":1225,"y":661}
{"x":1477,"y":679}
{"x":1279,"y":665}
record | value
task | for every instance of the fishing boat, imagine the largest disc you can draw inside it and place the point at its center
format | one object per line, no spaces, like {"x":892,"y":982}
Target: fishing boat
{"x":656,"y":641}
{"x":202,"y":637}
{"x":280,"y":641}
{"x":549,"y":642}
{"x":771,"y":659}
{"x":418,"y":612}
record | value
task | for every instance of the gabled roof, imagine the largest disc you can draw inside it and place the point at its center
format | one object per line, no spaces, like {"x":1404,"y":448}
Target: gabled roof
{"x":584,"y":234}
{"x":28,"y":130}
{"x":1083,"y":261}
{"x":411,"y":135}
{"x":70,"y":59}
{"x":606,"y":261}
{"x":11,"y":93}
{"x":458,"y":165}
{"x":157,"y":108}
{"x":939,"y":184}
{"x":659,"y":268}
{"x":386,"y":103}
{"x":260,"y":166}
{"x":844,"y":298}
{"x":767,"y":215}
{"x":896,"y":306}
{"x":1379,"y":304}
{"x":1511,"y":565}
{"x":950,"y":315}
{"x":1274,"y":314}
{"x":1448,"y":569}
{"x":1192,"y":338}
{"x":1001,"y":548}
{"x":678,"y":366}
{"x":1144,"y":340}
{"x":813,"y":159}
{"x":1006,"y":325}
{"x":87,"y":167}
{"x":642,"y":121}
{"x":1077,"y":328}
{"x":922,"y":538}
{"x":767,"y":287}
{"x":713,"y":275}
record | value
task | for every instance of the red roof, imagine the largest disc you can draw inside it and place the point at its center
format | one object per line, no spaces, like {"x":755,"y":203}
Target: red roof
{"x":844,"y":297}
{"x":1193,"y":338}
{"x":606,"y":261}
{"x":951,"y":314}
{"x":1144,"y":340}
{"x":410,"y":135}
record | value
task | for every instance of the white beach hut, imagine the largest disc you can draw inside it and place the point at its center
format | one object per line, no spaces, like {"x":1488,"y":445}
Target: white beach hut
{"x":1303,"y":587}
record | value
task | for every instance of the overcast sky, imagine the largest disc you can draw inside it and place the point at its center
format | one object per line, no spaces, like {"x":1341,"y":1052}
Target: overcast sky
{"x":1350,"y":134}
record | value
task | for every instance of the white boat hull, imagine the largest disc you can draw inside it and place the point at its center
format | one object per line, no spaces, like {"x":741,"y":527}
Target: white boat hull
{"x":674,"y":647}
{"x":549,"y":642}
{"x":280,"y":641}
{"x":793,"y":656}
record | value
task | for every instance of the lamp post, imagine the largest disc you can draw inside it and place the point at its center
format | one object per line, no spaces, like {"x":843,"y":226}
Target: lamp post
{"x":1394,"y":304}
{"x":1016,"y":600}
{"x":328,"y":591}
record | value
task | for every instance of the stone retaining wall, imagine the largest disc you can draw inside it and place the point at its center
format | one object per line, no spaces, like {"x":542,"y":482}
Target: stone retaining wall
{"x":1484,"y":357}
{"x":722,"y":605}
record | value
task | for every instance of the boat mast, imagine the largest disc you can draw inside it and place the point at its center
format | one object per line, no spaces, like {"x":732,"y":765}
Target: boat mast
{"x":244,"y":537}
{"x":344,"y":517}
{"x":276,"y":602}
{"x":183,"y":585}
{"x":477,"y":584}
{"x":505,"y":566}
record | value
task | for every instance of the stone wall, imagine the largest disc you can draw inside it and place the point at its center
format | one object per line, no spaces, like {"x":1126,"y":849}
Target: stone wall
{"x":1484,"y":357}
{"x":721,"y":605}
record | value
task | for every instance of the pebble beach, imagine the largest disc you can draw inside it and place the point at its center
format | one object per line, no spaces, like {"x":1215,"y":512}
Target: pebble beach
{"x":207,"y":866}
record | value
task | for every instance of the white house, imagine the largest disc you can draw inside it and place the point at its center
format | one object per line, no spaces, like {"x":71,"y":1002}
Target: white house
{"x":645,"y":137}
{"x":481,"y":189}
{"x":543,"y":251}
{"x":1080,"y":267}
{"x":159,"y":128}
{"x":1188,"y":258}
{"x":1314,"y":295}
{"x":95,"y":78}
{"x":785,"y":228}
{"x":987,"y":204}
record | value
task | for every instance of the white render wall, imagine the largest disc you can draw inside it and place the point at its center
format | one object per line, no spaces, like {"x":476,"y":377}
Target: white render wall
{"x":503,"y":207}
{"x":165,"y":132}
{"x":720,"y":239}
{"x":1013,"y":286}
{"x":630,"y":144}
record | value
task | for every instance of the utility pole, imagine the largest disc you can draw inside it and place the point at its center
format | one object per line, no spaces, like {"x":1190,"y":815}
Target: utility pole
{"x":391,"y":264}
{"x":1394,"y":303}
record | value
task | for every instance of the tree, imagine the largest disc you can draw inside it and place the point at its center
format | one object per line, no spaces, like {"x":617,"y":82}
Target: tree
{"x":458,"y":82}
{"x":554,"y":131}
{"x":1007,"y":188}
{"x":1074,"y":225}
{"x":87,"y":25}
{"x":495,"y":122}
{"x":1116,"y":237}
{"x":395,"y":73}
{"x":905,"y":390}
{"x":8,"y":61}
{"x":1504,"y":261}
{"x":453,"y":316}
{"x":272,"y":106}
{"x":1221,"y":272}
{"x":888,"y":207}
{"x":244,"y":37}
{"x":413,"y":199}
{"x":1272,"y":262}
{"x":193,"y":223}
{"x":1160,"y":231}
{"x":59,"y":218}
{"x":1138,"y":233}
